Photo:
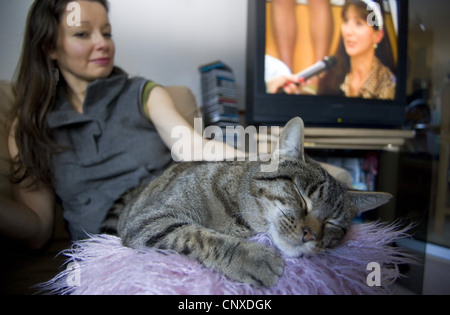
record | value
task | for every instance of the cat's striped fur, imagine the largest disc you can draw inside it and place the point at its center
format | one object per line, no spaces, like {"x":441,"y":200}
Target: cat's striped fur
{"x":207,"y":211}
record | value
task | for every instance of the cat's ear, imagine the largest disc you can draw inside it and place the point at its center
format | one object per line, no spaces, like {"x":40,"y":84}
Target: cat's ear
{"x":292,"y":139}
{"x":365,"y":201}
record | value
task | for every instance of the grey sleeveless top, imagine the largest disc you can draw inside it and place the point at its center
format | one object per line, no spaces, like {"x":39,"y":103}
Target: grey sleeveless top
{"x":112,"y":147}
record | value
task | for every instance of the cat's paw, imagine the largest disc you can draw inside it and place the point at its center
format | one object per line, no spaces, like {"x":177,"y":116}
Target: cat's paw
{"x":259,"y":265}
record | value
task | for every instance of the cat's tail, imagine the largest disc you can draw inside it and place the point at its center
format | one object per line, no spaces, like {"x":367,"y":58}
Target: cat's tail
{"x":111,"y":221}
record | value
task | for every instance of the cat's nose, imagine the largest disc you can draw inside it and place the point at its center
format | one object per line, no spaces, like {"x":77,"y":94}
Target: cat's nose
{"x":308,"y":235}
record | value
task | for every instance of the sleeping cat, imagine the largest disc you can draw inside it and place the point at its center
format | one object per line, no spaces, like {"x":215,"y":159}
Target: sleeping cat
{"x":208,"y":210}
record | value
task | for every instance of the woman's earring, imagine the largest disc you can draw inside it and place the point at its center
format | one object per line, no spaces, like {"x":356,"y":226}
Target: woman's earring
{"x":56,"y":75}
{"x":375,"y":46}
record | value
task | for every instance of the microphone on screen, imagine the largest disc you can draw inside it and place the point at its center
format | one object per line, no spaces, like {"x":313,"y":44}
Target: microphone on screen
{"x":323,"y":65}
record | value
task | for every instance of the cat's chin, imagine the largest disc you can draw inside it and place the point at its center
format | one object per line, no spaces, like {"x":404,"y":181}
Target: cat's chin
{"x":289,"y":248}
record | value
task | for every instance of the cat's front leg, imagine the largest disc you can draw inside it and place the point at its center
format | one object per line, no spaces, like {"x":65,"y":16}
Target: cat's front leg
{"x":240,"y":260}
{"x":257,"y":264}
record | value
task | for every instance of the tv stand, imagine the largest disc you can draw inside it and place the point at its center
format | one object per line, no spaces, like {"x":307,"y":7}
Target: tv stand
{"x":357,"y":139}
{"x":353,"y":139}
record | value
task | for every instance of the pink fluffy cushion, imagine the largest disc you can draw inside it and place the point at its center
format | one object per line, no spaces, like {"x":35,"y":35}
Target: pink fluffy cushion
{"x":101,"y":265}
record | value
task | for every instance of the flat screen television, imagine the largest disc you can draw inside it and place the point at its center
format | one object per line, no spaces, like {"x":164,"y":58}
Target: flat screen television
{"x":357,"y":48}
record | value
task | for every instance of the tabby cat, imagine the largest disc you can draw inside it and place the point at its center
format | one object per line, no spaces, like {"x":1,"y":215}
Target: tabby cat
{"x":208,"y":210}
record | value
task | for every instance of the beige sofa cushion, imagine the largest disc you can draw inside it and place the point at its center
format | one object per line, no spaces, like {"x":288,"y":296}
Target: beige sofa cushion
{"x":6,"y":103}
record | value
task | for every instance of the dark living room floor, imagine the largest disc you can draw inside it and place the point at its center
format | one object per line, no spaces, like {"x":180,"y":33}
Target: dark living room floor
{"x":21,"y":270}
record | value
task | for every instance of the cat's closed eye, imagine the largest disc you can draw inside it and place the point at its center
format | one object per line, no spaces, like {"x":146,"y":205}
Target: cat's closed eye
{"x":335,"y":226}
{"x":334,"y":233}
{"x":303,"y":203}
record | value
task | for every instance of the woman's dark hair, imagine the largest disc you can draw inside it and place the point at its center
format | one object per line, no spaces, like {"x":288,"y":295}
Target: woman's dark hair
{"x":34,"y":91}
{"x":331,"y":82}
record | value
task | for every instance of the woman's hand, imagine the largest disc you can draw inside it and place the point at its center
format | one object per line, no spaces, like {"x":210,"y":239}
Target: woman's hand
{"x":289,"y":84}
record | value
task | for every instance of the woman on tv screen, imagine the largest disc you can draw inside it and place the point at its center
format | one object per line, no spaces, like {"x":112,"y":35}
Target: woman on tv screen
{"x":365,"y":65}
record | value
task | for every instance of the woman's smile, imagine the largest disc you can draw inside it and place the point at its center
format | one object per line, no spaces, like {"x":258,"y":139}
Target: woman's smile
{"x":103,"y":62}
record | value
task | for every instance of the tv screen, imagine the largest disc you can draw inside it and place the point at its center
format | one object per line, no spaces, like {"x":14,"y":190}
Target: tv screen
{"x":331,"y":62}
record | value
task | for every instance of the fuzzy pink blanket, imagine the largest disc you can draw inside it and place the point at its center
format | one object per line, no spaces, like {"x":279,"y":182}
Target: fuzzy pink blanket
{"x":102,"y":266}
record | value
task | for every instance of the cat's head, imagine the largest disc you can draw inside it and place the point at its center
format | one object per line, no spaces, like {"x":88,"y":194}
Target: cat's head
{"x":306,"y":210}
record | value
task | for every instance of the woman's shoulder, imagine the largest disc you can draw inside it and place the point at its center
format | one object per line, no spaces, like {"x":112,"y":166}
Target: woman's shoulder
{"x":387,"y":81}
{"x":383,"y":73}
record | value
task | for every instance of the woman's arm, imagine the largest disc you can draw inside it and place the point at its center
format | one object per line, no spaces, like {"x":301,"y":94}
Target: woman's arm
{"x":29,"y":220}
{"x":29,"y":215}
{"x":165,"y":116}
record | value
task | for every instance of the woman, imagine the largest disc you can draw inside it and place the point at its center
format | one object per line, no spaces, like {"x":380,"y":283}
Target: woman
{"x":365,"y":63}
{"x":84,"y":130}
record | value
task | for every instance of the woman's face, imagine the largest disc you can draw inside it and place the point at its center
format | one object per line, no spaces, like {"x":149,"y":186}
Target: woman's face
{"x":85,"y":52}
{"x":359,"y":37}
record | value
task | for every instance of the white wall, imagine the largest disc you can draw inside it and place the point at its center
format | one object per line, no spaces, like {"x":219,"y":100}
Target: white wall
{"x":163,"y":40}
{"x":429,"y":43}
{"x":13,"y":14}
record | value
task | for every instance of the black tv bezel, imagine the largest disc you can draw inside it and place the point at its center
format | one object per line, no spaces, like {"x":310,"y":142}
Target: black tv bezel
{"x":320,"y":110}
